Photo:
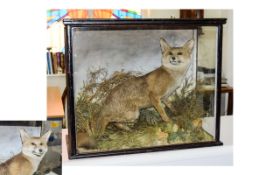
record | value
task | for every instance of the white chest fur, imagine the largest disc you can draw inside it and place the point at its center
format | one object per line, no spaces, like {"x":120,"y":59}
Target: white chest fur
{"x":178,"y":80}
{"x":35,"y":163}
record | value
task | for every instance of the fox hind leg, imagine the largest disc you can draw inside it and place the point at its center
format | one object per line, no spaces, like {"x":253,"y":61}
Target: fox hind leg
{"x":122,"y":126}
{"x":129,"y":116}
{"x":103,"y":121}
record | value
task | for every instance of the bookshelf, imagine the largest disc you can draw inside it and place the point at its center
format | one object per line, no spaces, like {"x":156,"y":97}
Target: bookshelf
{"x":58,"y":80}
{"x":56,"y":71}
{"x":55,"y":62}
{"x":56,"y":75}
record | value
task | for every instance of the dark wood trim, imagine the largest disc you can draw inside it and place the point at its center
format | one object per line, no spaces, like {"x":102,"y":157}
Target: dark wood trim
{"x":145,"y":22}
{"x":146,"y":150}
{"x":21,"y":123}
{"x":191,"y":13}
{"x":70,"y":91}
{"x":218,"y":81}
{"x":229,"y":91}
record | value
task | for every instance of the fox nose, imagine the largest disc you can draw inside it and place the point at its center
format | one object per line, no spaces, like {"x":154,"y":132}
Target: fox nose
{"x":40,"y":150}
{"x":173,"y":58}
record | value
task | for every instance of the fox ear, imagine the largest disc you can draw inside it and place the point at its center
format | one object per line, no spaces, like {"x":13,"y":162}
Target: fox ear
{"x":189,"y":45}
{"x":46,"y":136}
{"x":164,"y":45}
{"x":24,"y":135}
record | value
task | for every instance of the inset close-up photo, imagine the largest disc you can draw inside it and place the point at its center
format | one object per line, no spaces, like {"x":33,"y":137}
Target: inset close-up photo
{"x":30,"y":148}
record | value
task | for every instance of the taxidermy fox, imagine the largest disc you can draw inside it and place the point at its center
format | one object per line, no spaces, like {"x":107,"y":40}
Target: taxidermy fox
{"x":123,"y":103}
{"x":27,"y":162}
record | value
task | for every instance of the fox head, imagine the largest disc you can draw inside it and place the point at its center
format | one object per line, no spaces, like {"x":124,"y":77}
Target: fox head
{"x":176,"y":57}
{"x":35,"y":147}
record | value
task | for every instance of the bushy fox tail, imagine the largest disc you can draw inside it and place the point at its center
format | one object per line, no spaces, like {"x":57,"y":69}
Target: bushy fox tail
{"x":84,"y":140}
{"x":96,"y":129}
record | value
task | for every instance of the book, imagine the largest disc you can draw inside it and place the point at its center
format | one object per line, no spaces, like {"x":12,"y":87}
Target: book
{"x":49,"y":62}
{"x":54,"y":63}
{"x":59,"y":69}
{"x":62,"y":63}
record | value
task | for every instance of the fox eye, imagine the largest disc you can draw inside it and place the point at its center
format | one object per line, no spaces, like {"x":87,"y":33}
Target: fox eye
{"x":41,"y":144}
{"x":179,"y":53}
{"x":33,"y":144}
{"x":170,"y":53}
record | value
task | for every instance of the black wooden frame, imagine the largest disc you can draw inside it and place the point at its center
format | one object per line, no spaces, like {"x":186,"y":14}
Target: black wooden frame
{"x":21,"y":123}
{"x":136,"y":24}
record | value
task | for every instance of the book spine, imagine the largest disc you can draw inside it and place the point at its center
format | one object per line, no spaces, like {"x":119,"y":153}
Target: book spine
{"x":54,"y":62}
{"x":58,"y":59}
{"x":50,"y":62}
{"x":62,"y":63}
{"x":59,"y":68}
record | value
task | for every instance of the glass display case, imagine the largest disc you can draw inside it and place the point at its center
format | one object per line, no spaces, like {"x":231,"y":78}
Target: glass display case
{"x":142,"y":85}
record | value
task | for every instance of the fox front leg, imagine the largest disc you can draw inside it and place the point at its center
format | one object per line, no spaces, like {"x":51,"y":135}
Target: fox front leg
{"x":158,"y":105}
{"x":169,"y":105}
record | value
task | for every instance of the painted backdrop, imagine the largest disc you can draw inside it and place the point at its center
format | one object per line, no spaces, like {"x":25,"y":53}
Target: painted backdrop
{"x":128,"y":50}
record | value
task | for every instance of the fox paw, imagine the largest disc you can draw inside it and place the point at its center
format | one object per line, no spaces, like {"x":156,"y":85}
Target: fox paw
{"x":166,"y":119}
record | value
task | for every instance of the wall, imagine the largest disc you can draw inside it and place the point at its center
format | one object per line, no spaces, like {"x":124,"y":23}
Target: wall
{"x":160,"y":13}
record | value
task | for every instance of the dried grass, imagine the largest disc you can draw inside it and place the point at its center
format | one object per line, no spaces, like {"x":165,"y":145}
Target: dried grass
{"x":93,"y":93}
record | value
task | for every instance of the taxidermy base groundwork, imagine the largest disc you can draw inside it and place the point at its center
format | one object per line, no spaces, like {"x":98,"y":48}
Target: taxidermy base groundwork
{"x":149,"y":130}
